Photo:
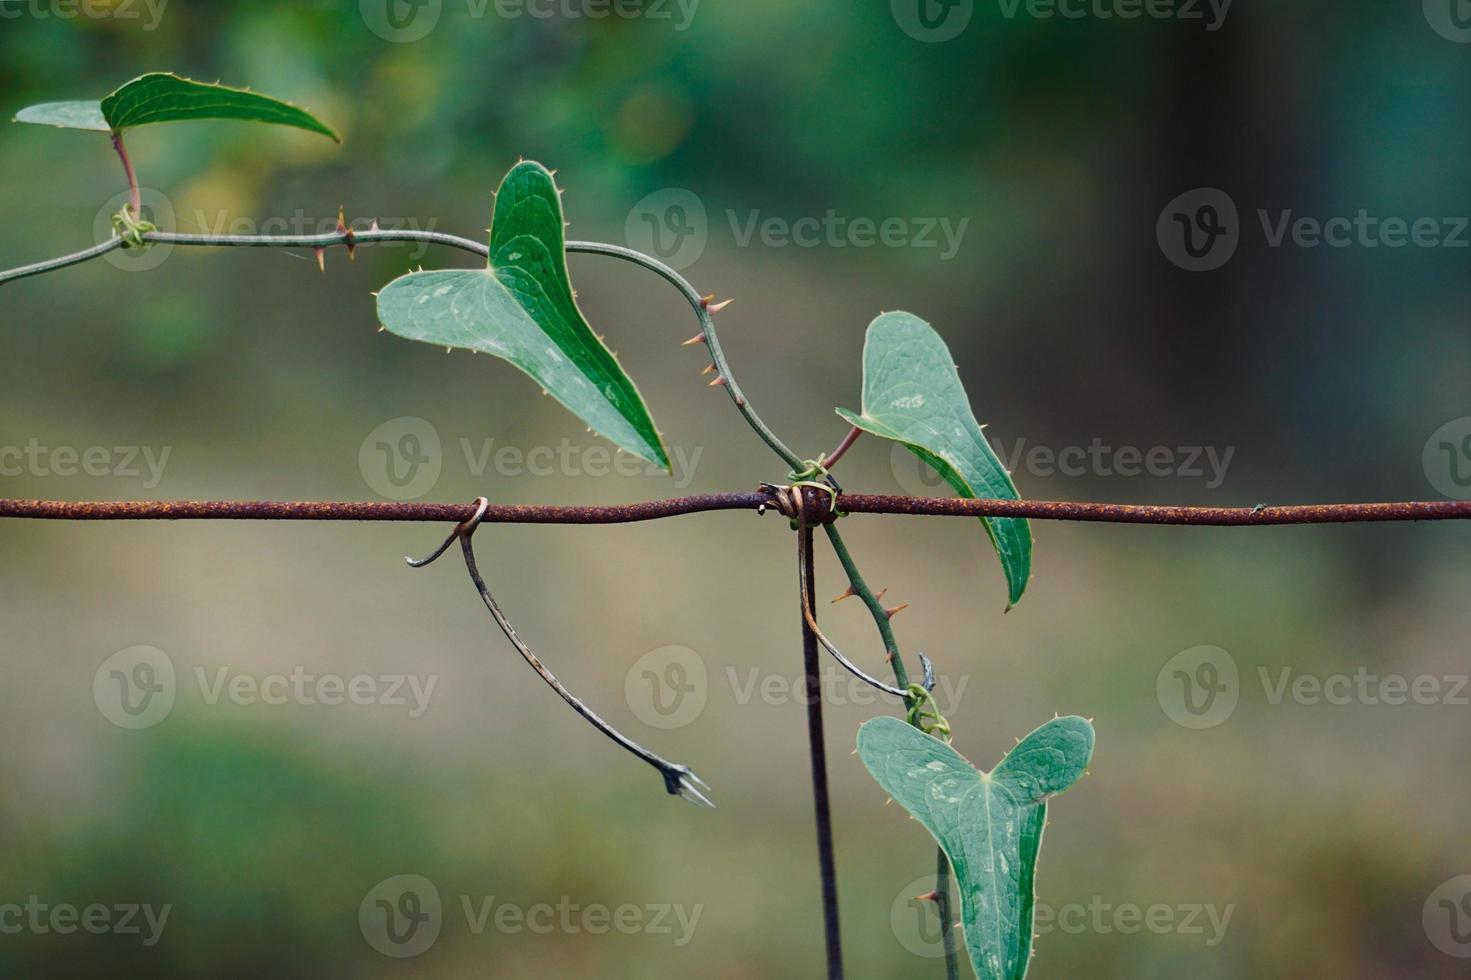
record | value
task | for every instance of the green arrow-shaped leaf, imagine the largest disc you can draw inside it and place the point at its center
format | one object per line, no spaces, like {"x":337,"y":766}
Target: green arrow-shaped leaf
{"x":913,"y":395}
{"x":989,"y":824}
{"x":521,"y":309}
{"x":161,"y":97}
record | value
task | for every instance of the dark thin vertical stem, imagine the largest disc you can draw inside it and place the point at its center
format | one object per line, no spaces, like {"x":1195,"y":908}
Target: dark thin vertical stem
{"x":818,"y":751}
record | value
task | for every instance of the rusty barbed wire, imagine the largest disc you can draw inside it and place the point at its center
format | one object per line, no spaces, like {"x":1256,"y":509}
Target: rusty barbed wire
{"x":758,"y":500}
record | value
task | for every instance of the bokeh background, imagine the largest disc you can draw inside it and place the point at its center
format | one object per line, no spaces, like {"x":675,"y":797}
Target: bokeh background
{"x":1332,"y":835}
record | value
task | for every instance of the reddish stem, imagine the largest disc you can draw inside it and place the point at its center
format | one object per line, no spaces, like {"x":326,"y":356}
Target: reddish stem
{"x":135,"y":197}
{"x":832,"y":458}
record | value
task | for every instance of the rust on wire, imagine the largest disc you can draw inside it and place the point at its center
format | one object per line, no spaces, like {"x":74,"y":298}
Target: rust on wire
{"x":848,"y":503}
{"x":280,"y":510}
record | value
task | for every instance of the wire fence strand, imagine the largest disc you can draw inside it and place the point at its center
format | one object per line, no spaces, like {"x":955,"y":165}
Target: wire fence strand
{"x":759,"y":500}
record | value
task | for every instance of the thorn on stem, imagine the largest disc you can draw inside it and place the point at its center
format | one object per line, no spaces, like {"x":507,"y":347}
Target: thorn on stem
{"x":708,"y":369}
{"x":848,"y":592}
{"x":717,"y":307}
{"x":321,"y":257}
{"x":719,"y":380}
{"x":698,"y":338}
{"x":893,"y":611}
{"x":347,"y":234}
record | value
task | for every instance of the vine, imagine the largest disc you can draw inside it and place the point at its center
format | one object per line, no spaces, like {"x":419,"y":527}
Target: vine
{"x":521,"y":309}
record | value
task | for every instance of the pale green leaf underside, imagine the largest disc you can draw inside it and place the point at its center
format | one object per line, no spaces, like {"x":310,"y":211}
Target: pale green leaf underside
{"x":521,"y":309}
{"x":161,"y":97}
{"x":989,"y":824}
{"x":67,"y":115}
{"x":913,"y":395}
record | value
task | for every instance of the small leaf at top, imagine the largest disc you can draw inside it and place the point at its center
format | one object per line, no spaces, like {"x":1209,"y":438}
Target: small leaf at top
{"x":162,"y":97}
{"x":521,"y":309}
{"x":989,"y":824}
{"x":913,"y":395}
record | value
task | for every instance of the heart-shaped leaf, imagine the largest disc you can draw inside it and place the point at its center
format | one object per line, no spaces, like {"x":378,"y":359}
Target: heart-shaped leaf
{"x":161,"y":97}
{"x":521,"y":309}
{"x":913,"y":395}
{"x":989,"y":823}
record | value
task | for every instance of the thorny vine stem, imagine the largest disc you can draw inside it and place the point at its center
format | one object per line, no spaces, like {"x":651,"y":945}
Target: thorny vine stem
{"x":703,"y":308}
{"x":881,"y":619}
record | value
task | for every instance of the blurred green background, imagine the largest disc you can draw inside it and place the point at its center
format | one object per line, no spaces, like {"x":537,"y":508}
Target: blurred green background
{"x":1329,"y":833}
